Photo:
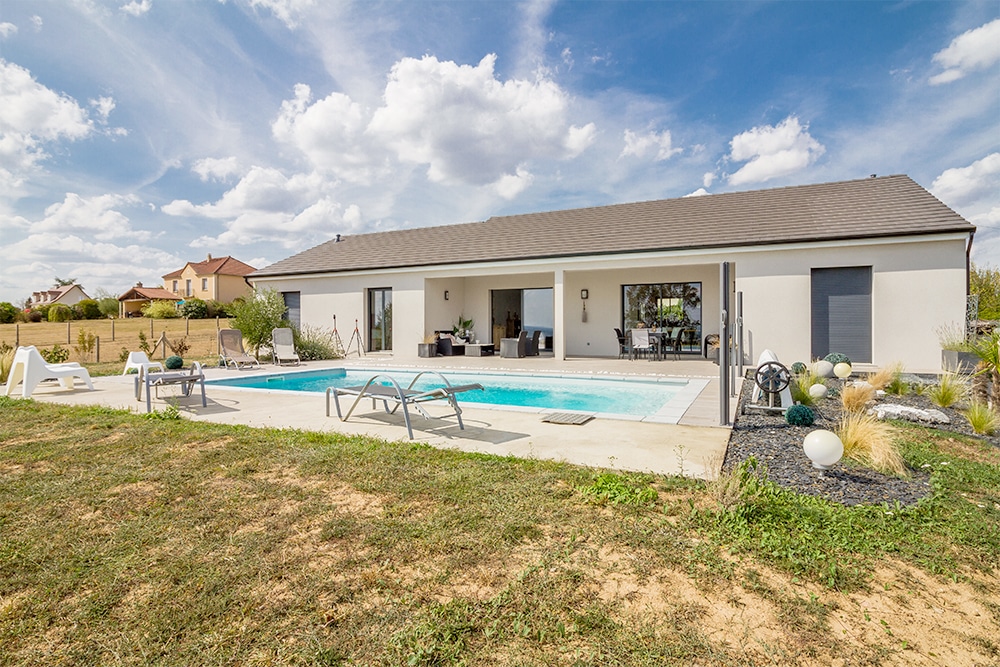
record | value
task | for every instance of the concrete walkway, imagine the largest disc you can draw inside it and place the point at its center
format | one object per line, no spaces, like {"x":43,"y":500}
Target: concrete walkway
{"x":694,"y":447}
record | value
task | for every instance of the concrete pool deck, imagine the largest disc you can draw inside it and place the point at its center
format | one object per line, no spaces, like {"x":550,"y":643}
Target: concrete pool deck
{"x":695,"y":446}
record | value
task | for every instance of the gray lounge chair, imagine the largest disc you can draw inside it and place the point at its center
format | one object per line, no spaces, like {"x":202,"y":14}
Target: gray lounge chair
{"x":231,"y":350}
{"x":283,"y":347}
{"x":395,"y":394}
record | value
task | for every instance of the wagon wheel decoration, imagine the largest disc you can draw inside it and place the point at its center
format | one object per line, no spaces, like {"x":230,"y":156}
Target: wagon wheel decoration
{"x":772,"y":377}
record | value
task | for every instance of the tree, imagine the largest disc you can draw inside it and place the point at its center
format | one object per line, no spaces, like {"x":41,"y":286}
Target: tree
{"x":107,"y":302}
{"x":65,"y":283}
{"x":8,"y":313}
{"x":257,"y":316}
{"x":985,"y":282}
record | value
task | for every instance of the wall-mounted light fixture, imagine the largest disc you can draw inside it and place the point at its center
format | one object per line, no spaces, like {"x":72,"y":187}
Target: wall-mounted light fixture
{"x":446,"y":295}
{"x":584,"y":294}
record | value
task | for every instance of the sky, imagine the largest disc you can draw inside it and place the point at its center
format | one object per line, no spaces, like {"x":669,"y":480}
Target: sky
{"x":138,"y":136}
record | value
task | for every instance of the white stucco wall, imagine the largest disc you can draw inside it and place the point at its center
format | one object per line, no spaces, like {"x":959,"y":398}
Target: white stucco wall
{"x":918,"y":286}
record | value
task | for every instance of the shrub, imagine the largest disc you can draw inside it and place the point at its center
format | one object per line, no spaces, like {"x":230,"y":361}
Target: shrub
{"x":42,"y":310}
{"x":952,"y":337}
{"x":56,"y":355}
{"x":799,"y":368}
{"x":837,"y":358}
{"x":216,"y":308}
{"x":35,"y":316}
{"x":123,"y":355}
{"x":257,"y":316}
{"x":88,"y":309}
{"x":144,"y":344}
{"x":869,"y":441}
{"x":179,"y":347}
{"x":85,"y":344}
{"x":8,"y":313}
{"x":800,"y":415}
{"x":982,"y":418}
{"x":855,"y":397}
{"x":799,"y":387}
{"x":60,"y":313}
{"x":108,"y":306}
{"x":313,"y":343}
{"x":194,"y":308}
{"x":160,"y":310}
{"x":949,"y":390}
{"x":173,"y":362}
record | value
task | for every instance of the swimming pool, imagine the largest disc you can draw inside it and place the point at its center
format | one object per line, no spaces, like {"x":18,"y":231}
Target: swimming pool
{"x":651,"y":399}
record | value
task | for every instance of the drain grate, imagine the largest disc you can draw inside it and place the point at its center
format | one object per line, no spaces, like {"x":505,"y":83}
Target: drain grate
{"x":567,"y":418}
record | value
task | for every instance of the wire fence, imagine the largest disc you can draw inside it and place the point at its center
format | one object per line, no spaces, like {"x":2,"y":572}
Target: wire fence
{"x":106,"y":339}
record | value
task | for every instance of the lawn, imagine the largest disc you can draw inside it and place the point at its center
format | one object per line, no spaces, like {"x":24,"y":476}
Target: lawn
{"x":135,"y":540}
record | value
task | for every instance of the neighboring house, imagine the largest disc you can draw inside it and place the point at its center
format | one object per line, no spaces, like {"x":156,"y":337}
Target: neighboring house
{"x":131,"y":303}
{"x":871,"y":268}
{"x":219,"y":279}
{"x":68,"y":295}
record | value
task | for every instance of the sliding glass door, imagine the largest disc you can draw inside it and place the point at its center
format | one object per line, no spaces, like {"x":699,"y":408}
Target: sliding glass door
{"x":672,"y":306}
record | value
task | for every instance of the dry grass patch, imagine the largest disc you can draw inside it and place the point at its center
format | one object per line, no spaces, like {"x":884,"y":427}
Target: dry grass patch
{"x":871,"y":442}
{"x":856,"y":397}
{"x":885,"y":376}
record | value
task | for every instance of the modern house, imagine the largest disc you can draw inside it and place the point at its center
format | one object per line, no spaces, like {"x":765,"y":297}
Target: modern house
{"x":68,"y":295}
{"x":218,"y":279}
{"x":131,"y":303}
{"x":871,"y":268}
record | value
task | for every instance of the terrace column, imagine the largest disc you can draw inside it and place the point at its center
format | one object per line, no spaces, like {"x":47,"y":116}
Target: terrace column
{"x":559,"y":315}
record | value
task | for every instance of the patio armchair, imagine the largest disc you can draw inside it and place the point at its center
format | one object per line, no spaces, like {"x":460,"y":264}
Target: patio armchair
{"x":624,"y":344}
{"x":641,"y":343}
{"x":139,"y":361}
{"x":532,"y":348}
{"x":514,"y":348}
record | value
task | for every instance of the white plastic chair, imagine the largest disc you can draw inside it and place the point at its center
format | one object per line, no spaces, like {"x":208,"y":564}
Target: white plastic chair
{"x":140,"y":362}
{"x":30,"y":368}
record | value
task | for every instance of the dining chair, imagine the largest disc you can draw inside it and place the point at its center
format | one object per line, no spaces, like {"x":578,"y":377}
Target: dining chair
{"x":640,"y":342}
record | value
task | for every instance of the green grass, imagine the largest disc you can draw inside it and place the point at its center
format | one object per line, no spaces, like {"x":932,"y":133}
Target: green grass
{"x":162,"y":541}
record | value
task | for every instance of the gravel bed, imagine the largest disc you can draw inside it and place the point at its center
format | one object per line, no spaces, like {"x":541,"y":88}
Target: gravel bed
{"x":778,"y":445}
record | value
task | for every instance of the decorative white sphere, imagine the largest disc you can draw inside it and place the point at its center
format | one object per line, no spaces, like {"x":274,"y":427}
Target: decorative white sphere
{"x":842,"y":370}
{"x":862,"y":384}
{"x":823,"y":368}
{"x":823,"y":448}
{"x":818,"y":391}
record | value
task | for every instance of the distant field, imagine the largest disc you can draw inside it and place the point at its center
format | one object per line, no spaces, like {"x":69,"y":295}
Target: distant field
{"x":115,"y":334}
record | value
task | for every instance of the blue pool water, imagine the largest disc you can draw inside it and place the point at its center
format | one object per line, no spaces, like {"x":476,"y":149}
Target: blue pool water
{"x":624,"y":397}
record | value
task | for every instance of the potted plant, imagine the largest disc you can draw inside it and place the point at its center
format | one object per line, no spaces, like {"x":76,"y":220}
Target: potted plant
{"x":463,"y":328}
{"x":428,"y":348}
{"x":957,"y":353}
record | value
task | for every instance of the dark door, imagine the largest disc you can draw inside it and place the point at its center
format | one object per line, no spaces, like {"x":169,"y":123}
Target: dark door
{"x":293,"y":309}
{"x":842,"y":312}
{"x":379,"y":319}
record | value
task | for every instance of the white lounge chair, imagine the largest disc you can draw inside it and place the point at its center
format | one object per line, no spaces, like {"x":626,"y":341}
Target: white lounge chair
{"x":401,"y":397}
{"x":283,"y":346}
{"x":140,"y":362}
{"x":29,"y":368}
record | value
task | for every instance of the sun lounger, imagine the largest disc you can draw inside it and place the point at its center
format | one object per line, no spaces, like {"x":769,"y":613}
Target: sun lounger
{"x":186,"y":379}
{"x":231,"y":350}
{"x":29,"y":368}
{"x":395,"y":394}
{"x":283,"y":346}
{"x":139,"y":361}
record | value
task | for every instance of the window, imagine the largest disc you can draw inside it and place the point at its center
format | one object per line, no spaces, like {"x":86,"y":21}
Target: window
{"x":204,"y":284}
{"x":174,"y":290}
{"x":187,"y":287}
{"x":379,"y":319}
{"x":665,"y":305}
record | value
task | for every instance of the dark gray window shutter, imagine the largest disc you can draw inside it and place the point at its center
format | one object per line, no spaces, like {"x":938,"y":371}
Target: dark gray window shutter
{"x":294,"y":312}
{"x":842,"y":312}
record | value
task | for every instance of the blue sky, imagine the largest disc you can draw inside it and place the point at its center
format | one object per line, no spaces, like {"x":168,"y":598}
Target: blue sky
{"x":138,"y":135}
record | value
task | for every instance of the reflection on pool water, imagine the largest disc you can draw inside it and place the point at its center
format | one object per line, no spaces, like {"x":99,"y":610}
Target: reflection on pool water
{"x":645,"y":397}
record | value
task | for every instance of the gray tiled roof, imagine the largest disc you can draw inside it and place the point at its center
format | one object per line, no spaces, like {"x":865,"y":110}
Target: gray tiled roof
{"x":866,"y":208}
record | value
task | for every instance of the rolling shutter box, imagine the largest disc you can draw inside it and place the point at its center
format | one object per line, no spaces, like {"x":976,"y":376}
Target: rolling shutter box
{"x":842,"y":312}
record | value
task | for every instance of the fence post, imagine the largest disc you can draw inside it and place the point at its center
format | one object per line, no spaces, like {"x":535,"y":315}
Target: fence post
{"x":68,"y":339}
{"x":112,"y":329}
{"x":17,"y":335}
{"x":98,"y":350}
{"x":187,"y":326}
{"x":151,"y":327}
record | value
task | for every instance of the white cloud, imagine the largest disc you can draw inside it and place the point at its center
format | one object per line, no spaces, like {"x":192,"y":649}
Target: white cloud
{"x":288,"y":11}
{"x":772,"y":152}
{"x":639,"y":144}
{"x":216,"y":169}
{"x":511,"y":185}
{"x":963,"y":185}
{"x":96,"y":215}
{"x":700,"y":192}
{"x":468,"y":127}
{"x":974,"y":49}
{"x":103,"y":106}
{"x":137,"y":8}
{"x":7,"y":29}
{"x":292,"y":231}
{"x":708,"y":179}
{"x":30,"y":115}
{"x":36,"y":20}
